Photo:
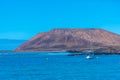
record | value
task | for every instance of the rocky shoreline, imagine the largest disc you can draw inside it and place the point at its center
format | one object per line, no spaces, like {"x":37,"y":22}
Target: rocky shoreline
{"x":97,"y":51}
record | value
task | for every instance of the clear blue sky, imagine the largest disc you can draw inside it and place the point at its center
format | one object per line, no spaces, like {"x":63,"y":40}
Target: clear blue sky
{"x":22,"y":19}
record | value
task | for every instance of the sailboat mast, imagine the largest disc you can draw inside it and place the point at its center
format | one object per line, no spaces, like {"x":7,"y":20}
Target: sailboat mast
{"x":91,"y":40}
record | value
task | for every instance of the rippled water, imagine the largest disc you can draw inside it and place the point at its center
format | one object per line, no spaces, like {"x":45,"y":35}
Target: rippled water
{"x":47,"y":66}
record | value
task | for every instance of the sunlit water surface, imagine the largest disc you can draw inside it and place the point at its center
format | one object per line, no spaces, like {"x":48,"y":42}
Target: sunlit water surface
{"x":58,"y":66}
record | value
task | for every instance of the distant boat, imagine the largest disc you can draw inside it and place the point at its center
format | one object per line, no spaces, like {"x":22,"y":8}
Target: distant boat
{"x":90,"y":53}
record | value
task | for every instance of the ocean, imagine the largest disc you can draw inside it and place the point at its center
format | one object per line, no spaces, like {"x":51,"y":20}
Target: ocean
{"x":58,"y":66}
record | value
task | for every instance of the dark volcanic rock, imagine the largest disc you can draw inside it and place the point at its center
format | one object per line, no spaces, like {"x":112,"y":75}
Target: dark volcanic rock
{"x":71,"y":39}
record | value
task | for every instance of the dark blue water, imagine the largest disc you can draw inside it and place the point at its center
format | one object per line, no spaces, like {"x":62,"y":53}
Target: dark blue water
{"x":49,"y":66}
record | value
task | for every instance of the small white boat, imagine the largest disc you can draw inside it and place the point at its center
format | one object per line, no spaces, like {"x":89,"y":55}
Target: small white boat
{"x":90,"y":55}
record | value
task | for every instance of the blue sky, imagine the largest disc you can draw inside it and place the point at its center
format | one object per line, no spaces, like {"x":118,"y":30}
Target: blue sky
{"x":22,"y":19}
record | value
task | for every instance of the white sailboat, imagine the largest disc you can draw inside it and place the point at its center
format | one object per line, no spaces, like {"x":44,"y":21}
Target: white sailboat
{"x":90,"y":53}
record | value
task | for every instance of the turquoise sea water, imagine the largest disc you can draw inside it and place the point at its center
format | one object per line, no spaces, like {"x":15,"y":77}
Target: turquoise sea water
{"x":54,"y":66}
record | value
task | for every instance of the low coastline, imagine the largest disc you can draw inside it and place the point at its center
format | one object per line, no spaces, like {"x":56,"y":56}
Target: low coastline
{"x":73,"y":52}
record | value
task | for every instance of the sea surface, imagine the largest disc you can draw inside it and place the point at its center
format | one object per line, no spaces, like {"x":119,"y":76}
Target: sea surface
{"x":58,"y":66}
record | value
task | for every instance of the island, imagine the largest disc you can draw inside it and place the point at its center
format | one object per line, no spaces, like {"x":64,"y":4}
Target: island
{"x":74,"y":41}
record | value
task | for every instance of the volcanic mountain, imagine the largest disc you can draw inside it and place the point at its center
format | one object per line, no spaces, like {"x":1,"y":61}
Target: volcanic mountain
{"x":71,"y":39}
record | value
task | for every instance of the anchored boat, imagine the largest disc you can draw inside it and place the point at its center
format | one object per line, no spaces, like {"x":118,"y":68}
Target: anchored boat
{"x":90,"y":53}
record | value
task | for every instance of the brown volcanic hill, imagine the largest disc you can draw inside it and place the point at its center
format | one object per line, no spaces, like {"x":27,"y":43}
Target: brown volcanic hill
{"x":71,"y":39}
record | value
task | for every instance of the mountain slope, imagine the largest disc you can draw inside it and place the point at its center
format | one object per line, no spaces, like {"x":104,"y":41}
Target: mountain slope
{"x":71,"y":39}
